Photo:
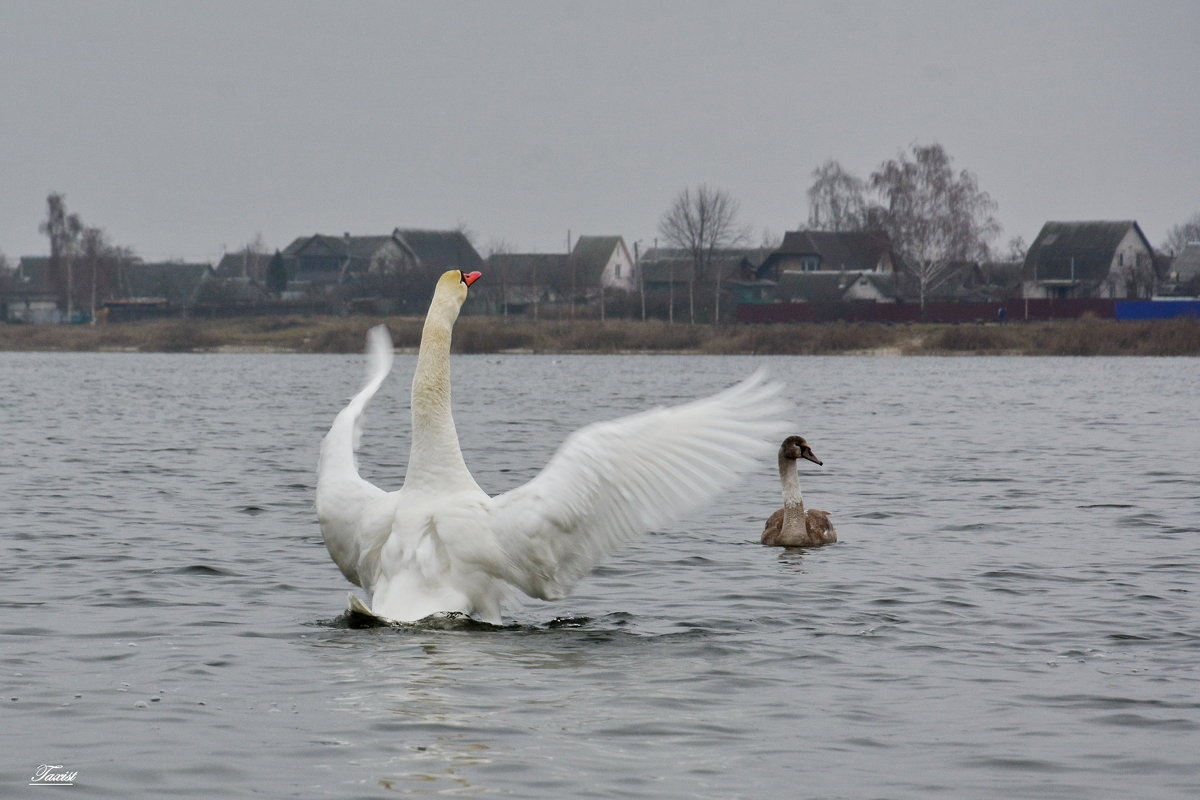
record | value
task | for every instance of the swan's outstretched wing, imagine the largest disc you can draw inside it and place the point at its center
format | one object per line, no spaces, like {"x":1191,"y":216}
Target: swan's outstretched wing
{"x":611,"y":481}
{"x":341,"y":493}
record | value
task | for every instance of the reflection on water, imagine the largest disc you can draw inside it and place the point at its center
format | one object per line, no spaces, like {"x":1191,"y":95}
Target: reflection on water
{"x":1010,"y":611}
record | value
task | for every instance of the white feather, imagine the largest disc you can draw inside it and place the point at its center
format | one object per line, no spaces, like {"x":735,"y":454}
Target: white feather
{"x":341,"y":493}
{"x":612,"y":481}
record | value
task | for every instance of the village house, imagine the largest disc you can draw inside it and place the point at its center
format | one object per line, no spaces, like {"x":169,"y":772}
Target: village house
{"x":1089,"y":260}
{"x":125,"y":289}
{"x":832,"y":267}
{"x":523,"y":282}
{"x":28,"y":294}
{"x":986,"y":282}
{"x":603,"y":262}
{"x":667,"y":268}
{"x":244,"y":263}
{"x":398,"y":269}
{"x":157,"y":288}
{"x":830,"y":251}
{"x":520,"y":283}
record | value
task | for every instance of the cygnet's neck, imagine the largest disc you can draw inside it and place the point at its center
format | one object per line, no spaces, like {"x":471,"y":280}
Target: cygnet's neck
{"x":790,"y":479}
{"x":435,"y":455}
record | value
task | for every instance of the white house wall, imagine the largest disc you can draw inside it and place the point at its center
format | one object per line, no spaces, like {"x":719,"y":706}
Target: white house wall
{"x":620,"y":262}
{"x":1131,"y":255}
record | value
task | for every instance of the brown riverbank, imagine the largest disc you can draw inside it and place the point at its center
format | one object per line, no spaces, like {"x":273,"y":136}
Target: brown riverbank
{"x":1082,"y":337}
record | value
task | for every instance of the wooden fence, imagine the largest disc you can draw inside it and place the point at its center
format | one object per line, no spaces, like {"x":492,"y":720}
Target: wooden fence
{"x":1013,"y":310}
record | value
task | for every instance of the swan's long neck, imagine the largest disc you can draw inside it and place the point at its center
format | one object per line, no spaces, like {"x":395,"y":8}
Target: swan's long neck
{"x":789,"y":477}
{"x":435,"y":456}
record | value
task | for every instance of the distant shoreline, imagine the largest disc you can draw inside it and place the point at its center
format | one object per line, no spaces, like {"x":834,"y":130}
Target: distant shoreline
{"x":1081,"y":337}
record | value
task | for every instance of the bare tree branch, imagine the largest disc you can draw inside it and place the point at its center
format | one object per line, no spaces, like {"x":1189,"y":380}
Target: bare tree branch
{"x":933,"y":216}
{"x":701,"y":223}
{"x":836,"y":200}
{"x":1179,"y":235}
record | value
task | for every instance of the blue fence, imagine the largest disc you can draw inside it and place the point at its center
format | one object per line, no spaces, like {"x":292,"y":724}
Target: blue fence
{"x":1157,"y":309}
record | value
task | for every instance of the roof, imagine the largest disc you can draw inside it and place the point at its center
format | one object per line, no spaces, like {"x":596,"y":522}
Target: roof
{"x":33,"y":274}
{"x":1076,"y":251}
{"x":441,"y":249}
{"x":433,"y":249}
{"x":739,"y":264}
{"x":176,"y":281}
{"x":525,"y":268}
{"x":359,"y":247}
{"x":592,"y":254}
{"x":998,"y":273}
{"x":667,"y":270}
{"x":838,"y":250}
{"x":241,"y":262}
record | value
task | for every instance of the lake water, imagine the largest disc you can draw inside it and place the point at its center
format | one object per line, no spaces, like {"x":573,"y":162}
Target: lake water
{"x":1012,"y":610}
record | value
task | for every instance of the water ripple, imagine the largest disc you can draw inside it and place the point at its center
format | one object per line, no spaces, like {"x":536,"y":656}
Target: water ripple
{"x":1010,"y":615}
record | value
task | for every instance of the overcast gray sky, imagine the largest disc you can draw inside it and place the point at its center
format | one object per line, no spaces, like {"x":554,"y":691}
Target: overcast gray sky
{"x":182,"y":128}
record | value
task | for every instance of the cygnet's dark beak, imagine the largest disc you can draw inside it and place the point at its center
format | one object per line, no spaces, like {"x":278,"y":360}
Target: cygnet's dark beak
{"x":808,"y":454}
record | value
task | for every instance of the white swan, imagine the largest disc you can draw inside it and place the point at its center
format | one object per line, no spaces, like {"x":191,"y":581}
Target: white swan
{"x":793,"y":525}
{"x":441,"y":544}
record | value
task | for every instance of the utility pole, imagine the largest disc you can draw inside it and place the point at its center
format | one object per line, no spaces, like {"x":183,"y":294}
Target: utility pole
{"x":571,"y":264}
{"x":637,"y":264}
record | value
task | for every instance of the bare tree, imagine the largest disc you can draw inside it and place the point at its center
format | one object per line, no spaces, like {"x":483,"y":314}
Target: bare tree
{"x":769,"y":240}
{"x":836,"y":199}
{"x":93,"y":247}
{"x":101,"y":263}
{"x":701,"y":223}
{"x":934,"y":216}
{"x":63,"y":230}
{"x":256,"y":258}
{"x":1017,"y":249}
{"x":1179,"y":235}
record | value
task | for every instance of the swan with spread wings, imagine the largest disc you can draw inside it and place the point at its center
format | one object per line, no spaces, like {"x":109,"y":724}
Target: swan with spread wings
{"x":441,"y":544}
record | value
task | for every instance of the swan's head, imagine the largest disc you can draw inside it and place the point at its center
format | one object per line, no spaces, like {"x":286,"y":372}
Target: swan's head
{"x":453,"y":284}
{"x":794,"y":447}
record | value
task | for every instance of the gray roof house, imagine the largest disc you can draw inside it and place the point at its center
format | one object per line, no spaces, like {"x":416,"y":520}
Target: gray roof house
{"x":29,"y":293}
{"x":174,"y":282}
{"x":830,"y":251}
{"x":603,"y":261}
{"x":663,"y":266}
{"x":1089,"y":259}
{"x":334,"y":259}
{"x":402,"y":266}
{"x":244,"y":263}
{"x":517,"y":280}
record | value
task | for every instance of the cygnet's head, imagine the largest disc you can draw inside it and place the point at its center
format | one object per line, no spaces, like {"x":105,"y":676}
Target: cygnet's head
{"x":794,"y":447}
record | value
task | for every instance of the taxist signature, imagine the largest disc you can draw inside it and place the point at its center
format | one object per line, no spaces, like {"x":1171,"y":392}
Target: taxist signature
{"x":49,"y":774}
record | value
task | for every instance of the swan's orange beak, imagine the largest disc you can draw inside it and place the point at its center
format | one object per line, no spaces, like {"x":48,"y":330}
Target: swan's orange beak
{"x":471,"y":277}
